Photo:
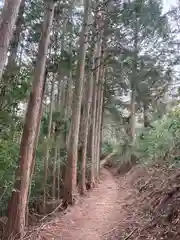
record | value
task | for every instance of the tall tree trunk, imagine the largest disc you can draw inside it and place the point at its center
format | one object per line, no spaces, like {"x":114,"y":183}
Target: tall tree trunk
{"x":133,"y":82}
{"x":54,"y":165}
{"x":36,"y":144}
{"x":93,"y":138}
{"x":99,"y":116}
{"x":71,"y":170}
{"x":11,"y":69}
{"x":102,"y":118}
{"x":86,"y":115}
{"x":46,"y":158}
{"x":69,"y":92}
{"x":103,"y":27}
{"x":7,"y":23}
{"x":133,"y":116}
{"x":58,"y":146}
{"x":91,"y":177}
{"x":145,"y":113}
{"x":18,"y":202}
{"x":96,"y":129}
{"x":85,"y":125}
{"x":100,"y":90}
{"x":86,"y":112}
{"x":95,"y":100}
{"x":16,"y":37}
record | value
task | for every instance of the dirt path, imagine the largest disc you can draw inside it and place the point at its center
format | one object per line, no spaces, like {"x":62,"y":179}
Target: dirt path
{"x":100,"y":212}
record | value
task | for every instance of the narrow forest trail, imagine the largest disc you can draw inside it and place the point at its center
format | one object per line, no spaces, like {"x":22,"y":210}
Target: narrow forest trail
{"x":97,"y":215}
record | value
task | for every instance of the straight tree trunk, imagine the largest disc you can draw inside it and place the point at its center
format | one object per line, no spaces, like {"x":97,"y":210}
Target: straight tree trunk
{"x":95,"y":102}
{"x":54,"y":169}
{"x":133,"y":82}
{"x":93,"y":138}
{"x":100,"y":96}
{"x":7,"y":23}
{"x":91,"y":177}
{"x":133,"y":116}
{"x":16,"y":36}
{"x":145,"y":113}
{"x":18,"y":203}
{"x":96,"y":129}
{"x":11,"y":69}
{"x":71,"y":170}
{"x":85,"y":120}
{"x":58,"y":104}
{"x":86,"y":111}
{"x":99,"y":116}
{"x":102,"y":118}
{"x":100,"y":90}
{"x":46,"y":158}
{"x":69,"y":92}
{"x":36,"y":144}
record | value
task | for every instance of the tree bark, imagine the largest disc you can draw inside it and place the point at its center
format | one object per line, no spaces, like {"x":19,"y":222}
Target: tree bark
{"x":99,"y":116}
{"x":95,"y":99}
{"x":145,"y":113}
{"x":133,"y":116}
{"x":54,"y":169}
{"x":7,"y":23}
{"x":102,"y":118}
{"x":69,"y":91}
{"x":16,"y":37}
{"x":133,"y":82}
{"x":18,"y":203}
{"x":46,"y":158}
{"x":100,"y":92}
{"x":71,"y":170}
{"x":85,"y":120}
{"x":11,"y":69}
{"x":36,"y":144}
{"x":86,"y":111}
{"x":91,"y":177}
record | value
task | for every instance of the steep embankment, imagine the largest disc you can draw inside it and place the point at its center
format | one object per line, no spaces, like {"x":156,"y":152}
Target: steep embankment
{"x":154,"y":212}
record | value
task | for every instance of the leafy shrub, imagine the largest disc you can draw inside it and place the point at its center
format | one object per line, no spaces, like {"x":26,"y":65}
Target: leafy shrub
{"x":8,"y":160}
{"x":107,"y":147}
{"x":161,"y":140}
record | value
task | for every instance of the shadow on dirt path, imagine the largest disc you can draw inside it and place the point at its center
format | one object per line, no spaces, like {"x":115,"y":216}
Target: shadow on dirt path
{"x":99,"y":213}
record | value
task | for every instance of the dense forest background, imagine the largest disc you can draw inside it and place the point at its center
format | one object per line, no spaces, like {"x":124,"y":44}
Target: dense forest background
{"x":79,"y":81}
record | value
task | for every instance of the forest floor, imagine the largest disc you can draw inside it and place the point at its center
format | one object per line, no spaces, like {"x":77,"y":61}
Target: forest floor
{"x":94,"y":216}
{"x":141,"y":204}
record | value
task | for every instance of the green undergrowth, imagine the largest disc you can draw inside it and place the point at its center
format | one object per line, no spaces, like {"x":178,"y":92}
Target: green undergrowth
{"x":107,"y":147}
{"x":162,"y":141}
{"x":10,"y":137}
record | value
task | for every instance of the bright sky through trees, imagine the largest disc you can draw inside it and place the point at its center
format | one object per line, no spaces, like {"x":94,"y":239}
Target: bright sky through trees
{"x":168,"y":4}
